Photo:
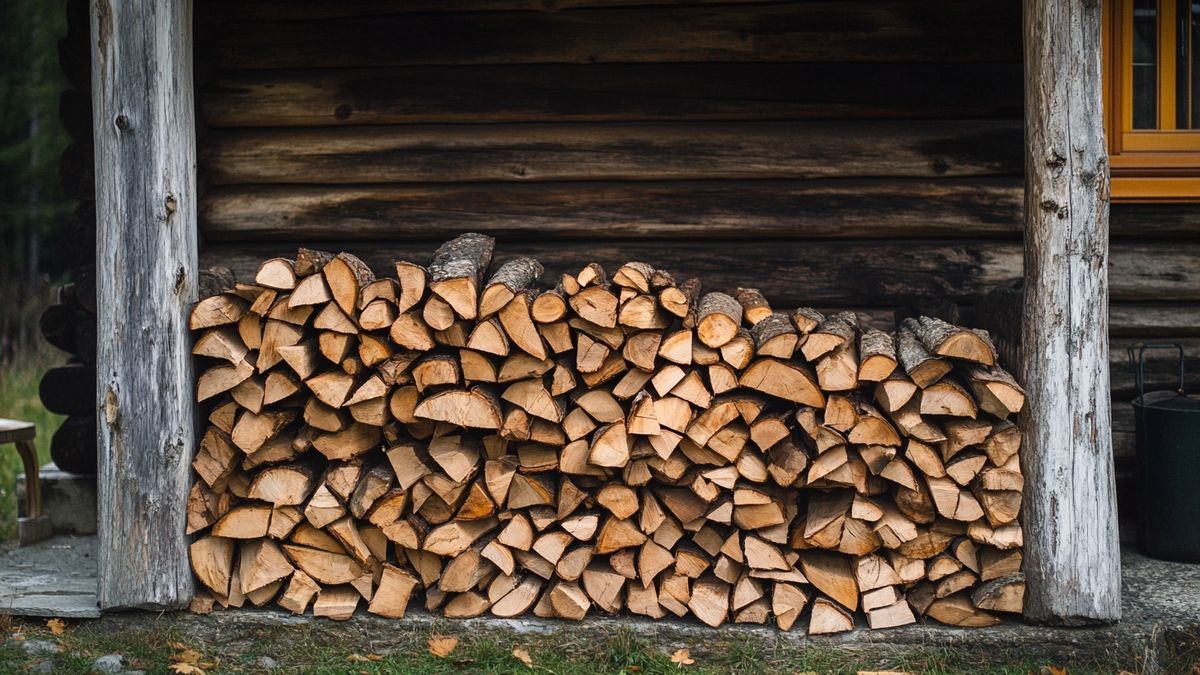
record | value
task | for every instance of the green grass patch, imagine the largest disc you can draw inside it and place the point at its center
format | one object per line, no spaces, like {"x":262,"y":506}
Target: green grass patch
{"x":19,"y":378}
{"x":156,"y":645}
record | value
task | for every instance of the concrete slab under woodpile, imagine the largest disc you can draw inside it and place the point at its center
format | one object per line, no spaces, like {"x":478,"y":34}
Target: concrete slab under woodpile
{"x":58,"y":578}
{"x":55,"y":577}
{"x":1161,"y":606}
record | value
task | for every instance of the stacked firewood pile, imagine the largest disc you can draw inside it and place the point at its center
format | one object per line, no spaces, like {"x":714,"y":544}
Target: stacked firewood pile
{"x":614,"y":443}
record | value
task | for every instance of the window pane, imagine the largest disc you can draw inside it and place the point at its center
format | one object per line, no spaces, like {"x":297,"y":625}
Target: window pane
{"x":1187,"y":66}
{"x":1145,"y":64}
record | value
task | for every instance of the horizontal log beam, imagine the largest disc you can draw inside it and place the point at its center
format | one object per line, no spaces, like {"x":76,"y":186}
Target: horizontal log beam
{"x":274,"y":10}
{"x":803,"y":272}
{"x":855,"y":30}
{"x":1158,"y":320}
{"x":863,"y":208}
{"x":559,"y":152}
{"x":607,"y":92}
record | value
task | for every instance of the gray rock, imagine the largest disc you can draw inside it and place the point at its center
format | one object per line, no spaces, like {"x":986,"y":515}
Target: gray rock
{"x":36,"y":647}
{"x":109,"y":663}
{"x":266,"y":663}
{"x":43,"y":666}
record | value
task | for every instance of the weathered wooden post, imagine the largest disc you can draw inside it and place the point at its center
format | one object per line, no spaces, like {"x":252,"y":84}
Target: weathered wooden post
{"x":1072,"y":555}
{"x":146,"y":281}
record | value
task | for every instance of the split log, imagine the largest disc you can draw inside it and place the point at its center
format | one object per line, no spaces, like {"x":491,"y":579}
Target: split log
{"x":624,"y":445}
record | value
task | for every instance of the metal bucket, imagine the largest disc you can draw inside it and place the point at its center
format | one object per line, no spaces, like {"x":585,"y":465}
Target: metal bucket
{"x":1168,"y":465}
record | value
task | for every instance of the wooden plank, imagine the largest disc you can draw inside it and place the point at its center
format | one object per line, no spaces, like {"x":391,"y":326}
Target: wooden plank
{"x":828,"y":31}
{"x":267,"y":10}
{"x":792,"y":272}
{"x":562,"y":152}
{"x":1162,"y":366}
{"x":1154,"y":321}
{"x":1072,"y":553}
{"x":842,"y":208}
{"x":1155,"y":219}
{"x":146,"y":188}
{"x":612,"y":92}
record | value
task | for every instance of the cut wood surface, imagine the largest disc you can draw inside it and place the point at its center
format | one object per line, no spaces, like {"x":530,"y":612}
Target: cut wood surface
{"x":725,"y":462}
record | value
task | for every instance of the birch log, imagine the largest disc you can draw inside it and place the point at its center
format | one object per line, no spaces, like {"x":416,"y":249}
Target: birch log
{"x":146,"y":188}
{"x":1072,"y":554}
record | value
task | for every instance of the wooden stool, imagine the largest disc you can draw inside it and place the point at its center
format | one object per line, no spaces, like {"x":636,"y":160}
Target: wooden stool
{"x":34,"y":525}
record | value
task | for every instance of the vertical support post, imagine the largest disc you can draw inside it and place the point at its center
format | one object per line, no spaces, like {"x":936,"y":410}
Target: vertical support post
{"x":1072,"y":555}
{"x":146,"y":282}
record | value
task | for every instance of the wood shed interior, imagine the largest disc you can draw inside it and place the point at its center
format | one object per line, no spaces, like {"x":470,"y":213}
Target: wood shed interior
{"x":858,"y":155}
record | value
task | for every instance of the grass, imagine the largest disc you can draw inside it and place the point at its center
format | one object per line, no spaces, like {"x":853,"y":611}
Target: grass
{"x":159,"y":644}
{"x":24,"y":357}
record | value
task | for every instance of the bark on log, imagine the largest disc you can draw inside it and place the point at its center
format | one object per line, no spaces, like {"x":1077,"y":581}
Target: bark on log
{"x":1066,"y":323}
{"x":145,"y":185}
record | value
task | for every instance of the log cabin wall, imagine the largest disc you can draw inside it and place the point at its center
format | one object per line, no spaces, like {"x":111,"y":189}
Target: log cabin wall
{"x":860,"y":154}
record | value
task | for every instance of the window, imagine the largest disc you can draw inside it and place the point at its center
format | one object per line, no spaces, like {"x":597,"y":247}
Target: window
{"x":1152,"y":99}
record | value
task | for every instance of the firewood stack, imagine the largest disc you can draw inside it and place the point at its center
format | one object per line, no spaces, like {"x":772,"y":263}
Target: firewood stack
{"x":613,"y":443}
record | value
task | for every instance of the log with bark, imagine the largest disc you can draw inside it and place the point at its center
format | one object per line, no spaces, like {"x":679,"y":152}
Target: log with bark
{"x":486,"y":441}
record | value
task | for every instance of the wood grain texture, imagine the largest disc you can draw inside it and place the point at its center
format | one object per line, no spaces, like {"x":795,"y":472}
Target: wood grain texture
{"x":1162,"y":366}
{"x":267,"y":10}
{"x":1154,"y":320}
{"x":841,"y":208}
{"x":145,"y":186}
{"x":611,"y":92}
{"x":804,"y":272}
{"x":1072,"y":553}
{"x":561,"y":152}
{"x":854,"y":30}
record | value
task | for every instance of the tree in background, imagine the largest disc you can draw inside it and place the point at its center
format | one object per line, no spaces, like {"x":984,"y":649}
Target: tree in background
{"x":33,"y":206}
{"x":32,"y":203}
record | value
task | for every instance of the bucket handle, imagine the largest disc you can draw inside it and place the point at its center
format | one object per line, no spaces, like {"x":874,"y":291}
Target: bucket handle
{"x":1138,"y":363}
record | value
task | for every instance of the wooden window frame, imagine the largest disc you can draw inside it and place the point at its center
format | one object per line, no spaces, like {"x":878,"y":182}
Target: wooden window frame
{"x":1161,"y":165}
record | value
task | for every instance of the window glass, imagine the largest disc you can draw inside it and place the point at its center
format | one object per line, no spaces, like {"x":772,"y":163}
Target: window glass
{"x":1145,"y":64}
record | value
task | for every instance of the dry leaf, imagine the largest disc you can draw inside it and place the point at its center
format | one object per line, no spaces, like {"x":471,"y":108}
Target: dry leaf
{"x":374,"y":657}
{"x":357,"y":658}
{"x":57,"y":626}
{"x":187,"y":656}
{"x":442,"y":645}
{"x":681,"y":658}
{"x":1054,"y":670}
{"x":187,"y":669}
{"x":522,"y":656}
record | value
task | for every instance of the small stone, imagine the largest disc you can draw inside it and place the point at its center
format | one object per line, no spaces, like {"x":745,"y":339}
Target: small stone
{"x":39,"y":647}
{"x":43,"y":666}
{"x":109,"y":663}
{"x":266,"y":663}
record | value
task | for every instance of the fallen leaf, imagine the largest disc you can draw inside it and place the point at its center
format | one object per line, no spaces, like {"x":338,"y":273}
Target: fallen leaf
{"x":187,"y":669}
{"x":442,"y":645}
{"x":681,"y":658}
{"x":523,"y":656}
{"x":374,"y":657}
{"x":357,"y":658}
{"x":57,"y":626}
{"x":1053,"y":670}
{"x":187,"y":656}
